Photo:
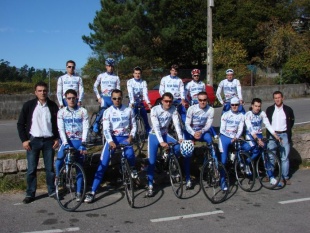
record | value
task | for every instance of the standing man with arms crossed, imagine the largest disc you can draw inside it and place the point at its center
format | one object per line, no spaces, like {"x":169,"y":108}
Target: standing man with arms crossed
{"x":231,"y":88}
{"x":173,"y":84}
{"x":73,"y":125}
{"x":108,"y":82}
{"x":282,"y":121}
{"x":161,"y":116}
{"x":37,"y":129}
{"x":137,"y":92}
{"x":119,"y":127}
{"x":69,"y":81}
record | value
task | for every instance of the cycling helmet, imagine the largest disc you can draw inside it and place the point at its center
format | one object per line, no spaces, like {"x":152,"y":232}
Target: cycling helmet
{"x":230,"y":71}
{"x":109,"y":62}
{"x":195,"y":71}
{"x":187,"y":148}
{"x":234,"y":100}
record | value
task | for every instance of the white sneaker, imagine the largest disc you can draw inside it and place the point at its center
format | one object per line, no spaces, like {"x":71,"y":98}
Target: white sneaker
{"x":150,"y":192}
{"x":89,"y":198}
{"x":188,"y":184}
{"x":273,"y":181}
{"x":134,"y":174}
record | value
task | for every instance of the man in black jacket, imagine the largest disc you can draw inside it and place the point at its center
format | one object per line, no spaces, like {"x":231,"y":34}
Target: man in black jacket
{"x":37,"y":129}
{"x":282,"y":120}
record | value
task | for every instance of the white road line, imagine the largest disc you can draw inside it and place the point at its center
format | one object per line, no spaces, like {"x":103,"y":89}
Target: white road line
{"x":186,"y":216}
{"x":300,"y":123}
{"x":294,"y":201}
{"x":56,"y":230}
{"x":12,"y":151}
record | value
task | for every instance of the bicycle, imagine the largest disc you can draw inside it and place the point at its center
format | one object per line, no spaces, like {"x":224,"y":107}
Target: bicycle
{"x":71,"y":177}
{"x":268,"y":165}
{"x":214,"y":180}
{"x":171,"y":128}
{"x":95,"y":137}
{"x":242,"y":165}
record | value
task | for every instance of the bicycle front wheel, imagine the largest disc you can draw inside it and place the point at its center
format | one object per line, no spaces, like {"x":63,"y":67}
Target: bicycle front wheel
{"x":140,"y":135}
{"x":268,"y":168}
{"x":70,"y":186}
{"x":245,"y":172}
{"x":128,"y":183}
{"x":214,"y":181}
{"x":176,"y":178}
{"x":91,"y":135}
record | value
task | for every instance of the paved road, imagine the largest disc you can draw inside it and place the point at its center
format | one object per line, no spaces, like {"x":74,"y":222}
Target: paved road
{"x":284,"y":210}
{"x":11,"y":142}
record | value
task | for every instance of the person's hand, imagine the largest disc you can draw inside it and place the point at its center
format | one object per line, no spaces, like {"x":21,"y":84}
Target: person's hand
{"x":131,"y":105}
{"x":26,"y":145}
{"x":164,"y":145}
{"x":83,"y":149}
{"x":233,"y":140}
{"x":181,"y":140}
{"x":79,"y":103}
{"x":112,"y":145}
{"x":56,"y":143}
{"x":260,"y":142}
{"x":99,"y":100}
{"x":241,"y":102}
{"x":197,"y":135}
{"x":129,"y":139}
{"x":150,"y":105}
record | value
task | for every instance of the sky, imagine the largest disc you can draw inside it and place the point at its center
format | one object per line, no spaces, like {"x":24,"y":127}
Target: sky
{"x":45,"y":34}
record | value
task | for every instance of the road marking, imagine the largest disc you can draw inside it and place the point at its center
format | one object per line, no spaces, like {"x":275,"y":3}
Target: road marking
{"x":186,"y":216}
{"x":294,"y":201}
{"x":300,"y":123}
{"x":12,"y":151}
{"x":56,"y":230}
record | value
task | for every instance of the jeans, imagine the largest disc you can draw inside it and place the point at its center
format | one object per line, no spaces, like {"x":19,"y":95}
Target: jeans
{"x":46,"y":146}
{"x":284,"y":152}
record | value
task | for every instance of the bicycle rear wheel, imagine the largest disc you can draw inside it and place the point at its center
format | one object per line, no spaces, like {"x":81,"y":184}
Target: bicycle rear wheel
{"x":140,"y":135}
{"x":128,"y":183}
{"x":268,"y":166}
{"x":68,"y":197}
{"x":213,"y":179}
{"x":175,"y":175}
{"x":245,"y":171}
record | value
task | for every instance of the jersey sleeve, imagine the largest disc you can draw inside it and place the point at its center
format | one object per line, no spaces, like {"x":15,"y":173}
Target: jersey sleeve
{"x":219,"y":91}
{"x":162,"y":86}
{"x":182,"y":91}
{"x":118,"y":83}
{"x":240,"y":127}
{"x":188,"y":121}
{"x":145,"y":92}
{"x":81,"y":90}
{"x":248,"y":122}
{"x":59,"y":91}
{"x":239,"y":91}
{"x":177,"y":125}
{"x":155,"y":125}
{"x":61,"y":127}
{"x":130,"y":92}
{"x":85,"y":125}
{"x":133,"y":123}
{"x":96,"y":84}
{"x":267,"y":123}
{"x":209,"y":121}
{"x":106,"y":125}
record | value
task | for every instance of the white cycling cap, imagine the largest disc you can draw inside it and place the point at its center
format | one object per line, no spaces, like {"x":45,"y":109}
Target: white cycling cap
{"x":234,"y":100}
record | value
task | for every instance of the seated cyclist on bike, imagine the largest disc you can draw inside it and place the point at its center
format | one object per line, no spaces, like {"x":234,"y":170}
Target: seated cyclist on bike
{"x":174,"y":85}
{"x":161,"y":115}
{"x":199,"y":119}
{"x":119,"y":127}
{"x":231,"y":88}
{"x":253,"y":120}
{"x":108,"y":81}
{"x":137,"y":92}
{"x":231,"y":129}
{"x":73,"y":125}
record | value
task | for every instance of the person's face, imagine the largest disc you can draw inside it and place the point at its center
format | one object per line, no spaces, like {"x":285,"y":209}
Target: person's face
{"x":173,"y":72}
{"x":70,"y":68}
{"x":196,"y":77}
{"x":234,"y":107}
{"x":166,"y":102}
{"x":109,"y":69}
{"x":256,"y":107}
{"x":137,"y":74}
{"x":41,"y":93}
{"x":116,"y":99}
{"x":71,"y":100}
{"x":278,"y":99}
{"x":230,"y":76}
{"x":202,"y":101}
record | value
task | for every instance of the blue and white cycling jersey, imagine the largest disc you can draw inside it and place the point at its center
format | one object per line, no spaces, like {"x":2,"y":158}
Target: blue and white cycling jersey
{"x":231,"y":89}
{"x":174,"y":85}
{"x":118,"y":122}
{"x":137,"y":91}
{"x":193,"y":88}
{"x":232,"y":124}
{"x":66,"y":82}
{"x":72,"y":124}
{"x":108,"y":82}
{"x":198,"y":119}
{"x":161,"y":118}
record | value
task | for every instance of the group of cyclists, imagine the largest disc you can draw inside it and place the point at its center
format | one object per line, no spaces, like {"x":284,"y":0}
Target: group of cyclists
{"x":182,"y":105}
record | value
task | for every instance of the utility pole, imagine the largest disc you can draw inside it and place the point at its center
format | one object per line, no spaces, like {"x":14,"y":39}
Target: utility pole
{"x":209,"y":44}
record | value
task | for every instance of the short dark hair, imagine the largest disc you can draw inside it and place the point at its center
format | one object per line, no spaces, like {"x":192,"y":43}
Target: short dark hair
{"x":40,"y":84}
{"x":71,"y":91}
{"x":257,"y":100}
{"x":174,"y":66}
{"x":117,"y":91}
{"x":137,"y":68}
{"x":202,"y":93}
{"x":70,"y":61}
{"x":277,"y":92}
{"x":168,"y":94}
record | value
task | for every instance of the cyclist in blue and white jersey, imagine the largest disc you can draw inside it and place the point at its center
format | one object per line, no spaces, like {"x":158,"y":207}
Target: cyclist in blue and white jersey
{"x":161,"y":115}
{"x":108,"y":81}
{"x":173,"y":84}
{"x":231,"y":128}
{"x":73,"y":125}
{"x":137,"y":92}
{"x":199,"y":119}
{"x":254,"y":120}
{"x":69,"y":81}
{"x":119,"y":127}
{"x":231,"y":88}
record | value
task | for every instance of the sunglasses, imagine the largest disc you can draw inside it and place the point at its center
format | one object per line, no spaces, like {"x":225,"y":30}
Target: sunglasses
{"x":71,"y":67}
{"x":202,"y":100}
{"x":119,"y":98}
{"x":195,"y":75}
{"x":234,"y":105}
{"x":71,"y":98}
{"x":167,"y":101}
